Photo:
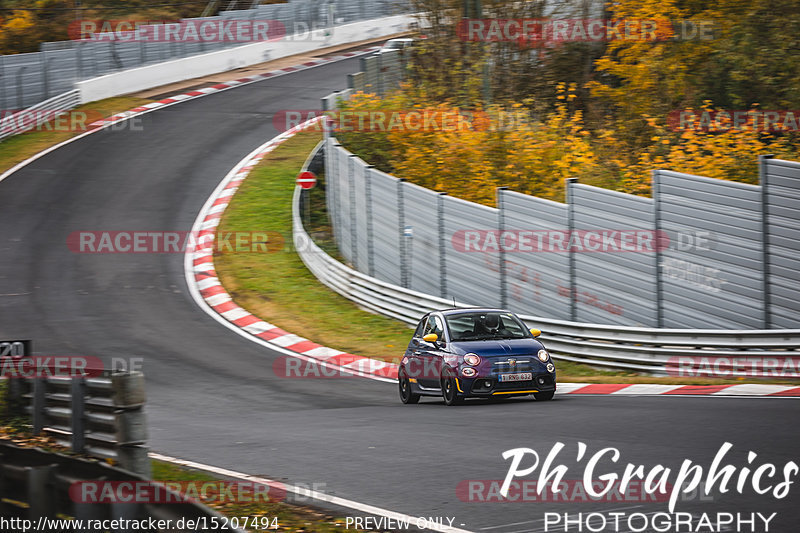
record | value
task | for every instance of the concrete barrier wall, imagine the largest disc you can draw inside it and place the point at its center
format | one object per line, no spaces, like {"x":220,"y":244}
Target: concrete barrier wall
{"x":139,"y":79}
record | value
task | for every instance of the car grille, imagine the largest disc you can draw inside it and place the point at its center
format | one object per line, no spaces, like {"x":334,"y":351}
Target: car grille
{"x":503,"y":366}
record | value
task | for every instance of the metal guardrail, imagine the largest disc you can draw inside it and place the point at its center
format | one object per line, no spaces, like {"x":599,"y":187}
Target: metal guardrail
{"x":641,"y":349}
{"x":100,"y":416}
{"x":35,"y":484}
{"x":37,"y":115}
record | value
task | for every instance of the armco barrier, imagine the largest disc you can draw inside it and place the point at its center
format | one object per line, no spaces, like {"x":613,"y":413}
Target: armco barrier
{"x":641,"y":349}
{"x":35,"y":486}
{"x":102,"y":416}
{"x":57,"y":105}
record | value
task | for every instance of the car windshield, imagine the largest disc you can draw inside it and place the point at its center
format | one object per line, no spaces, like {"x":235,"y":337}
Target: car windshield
{"x":393,"y":45}
{"x":485,"y":325}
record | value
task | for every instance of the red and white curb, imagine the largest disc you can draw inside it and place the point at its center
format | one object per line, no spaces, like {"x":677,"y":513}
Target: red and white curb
{"x":212,"y":297}
{"x":103,"y":123}
{"x":209,"y":293}
{"x":654,"y":389}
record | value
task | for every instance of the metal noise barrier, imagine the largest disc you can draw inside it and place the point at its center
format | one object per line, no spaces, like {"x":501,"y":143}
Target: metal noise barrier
{"x":35,"y":484}
{"x":100,"y":416}
{"x":35,"y":81}
{"x":622,"y":347}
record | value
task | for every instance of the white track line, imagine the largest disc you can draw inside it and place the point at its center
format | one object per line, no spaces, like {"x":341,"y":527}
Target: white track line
{"x":307,"y":493}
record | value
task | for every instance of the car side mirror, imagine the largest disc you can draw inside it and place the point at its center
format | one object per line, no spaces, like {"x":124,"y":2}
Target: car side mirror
{"x":431,"y":337}
{"x":535,"y":332}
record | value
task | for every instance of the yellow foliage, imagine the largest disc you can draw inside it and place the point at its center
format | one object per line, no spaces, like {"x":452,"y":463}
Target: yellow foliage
{"x":505,"y":146}
{"x":496,"y":146}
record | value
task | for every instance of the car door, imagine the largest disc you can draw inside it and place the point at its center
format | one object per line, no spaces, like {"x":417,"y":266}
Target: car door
{"x":429,"y":354}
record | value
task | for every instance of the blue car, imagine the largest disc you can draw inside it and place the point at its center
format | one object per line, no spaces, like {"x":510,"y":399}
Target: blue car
{"x":482,"y":353}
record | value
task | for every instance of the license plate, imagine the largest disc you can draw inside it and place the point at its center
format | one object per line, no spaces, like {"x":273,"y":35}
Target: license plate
{"x":519,"y":376}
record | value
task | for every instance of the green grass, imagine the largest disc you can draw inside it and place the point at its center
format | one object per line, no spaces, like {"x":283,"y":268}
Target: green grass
{"x":277,"y":286}
{"x":20,"y":147}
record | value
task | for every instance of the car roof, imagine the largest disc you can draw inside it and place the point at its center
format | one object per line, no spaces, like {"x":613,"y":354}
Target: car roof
{"x":458,"y":310}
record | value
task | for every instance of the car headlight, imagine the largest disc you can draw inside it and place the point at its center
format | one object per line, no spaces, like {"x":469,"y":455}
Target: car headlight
{"x":551,"y":367}
{"x":468,"y":371}
{"x":472,"y":360}
{"x":543,"y":356}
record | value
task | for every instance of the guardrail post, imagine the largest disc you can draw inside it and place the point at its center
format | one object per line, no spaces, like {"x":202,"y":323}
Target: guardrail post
{"x":78,"y":47}
{"x":380,"y":80}
{"x":78,"y":420}
{"x":95,"y":62}
{"x":39,"y":398}
{"x":442,"y":251}
{"x":20,"y":100}
{"x":40,"y":494}
{"x":351,"y":180}
{"x":3,"y":104}
{"x":501,"y":228}
{"x":114,"y":56}
{"x":370,"y":230}
{"x":45,"y":80}
{"x":573,"y":282}
{"x":763,"y":178}
{"x":337,"y":210}
{"x":405,"y":280}
{"x":14,"y":401}
{"x":659,"y":253}
{"x":128,"y":396}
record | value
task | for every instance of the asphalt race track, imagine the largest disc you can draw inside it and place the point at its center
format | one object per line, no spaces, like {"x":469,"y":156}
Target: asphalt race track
{"x":212,"y":395}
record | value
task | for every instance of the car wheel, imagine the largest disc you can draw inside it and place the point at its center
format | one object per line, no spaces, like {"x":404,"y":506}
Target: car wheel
{"x":543,"y":396}
{"x":406,"y":394}
{"x":449,"y":388}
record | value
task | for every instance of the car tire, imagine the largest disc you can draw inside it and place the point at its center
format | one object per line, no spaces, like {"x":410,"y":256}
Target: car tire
{"x":407,"y":396}
{"x":543,"y":396}
{"x":449,"y":388}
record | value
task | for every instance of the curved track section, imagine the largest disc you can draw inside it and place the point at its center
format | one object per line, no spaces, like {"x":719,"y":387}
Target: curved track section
{"x":213,"y":396}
